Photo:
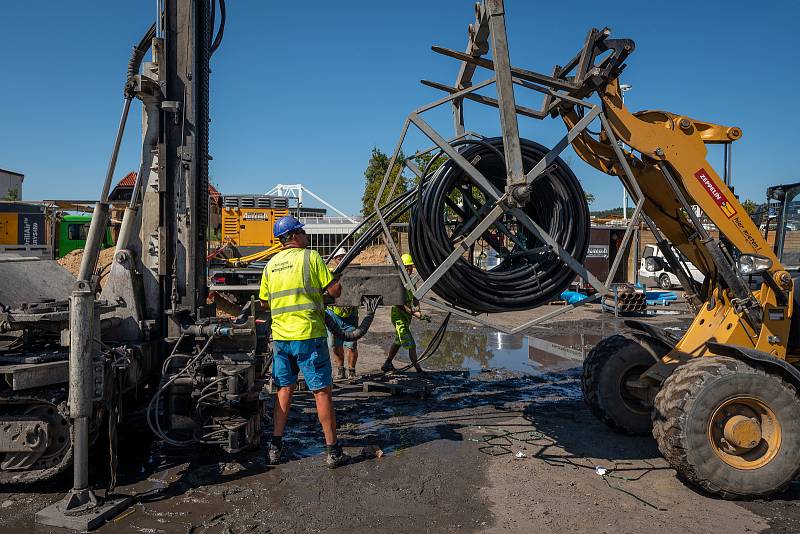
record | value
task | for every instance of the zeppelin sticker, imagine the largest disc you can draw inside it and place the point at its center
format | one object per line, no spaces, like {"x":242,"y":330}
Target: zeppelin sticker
{"x":717,"y":195}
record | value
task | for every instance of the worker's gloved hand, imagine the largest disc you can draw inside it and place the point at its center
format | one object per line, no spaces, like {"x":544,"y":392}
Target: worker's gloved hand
{"x":426,"y":318}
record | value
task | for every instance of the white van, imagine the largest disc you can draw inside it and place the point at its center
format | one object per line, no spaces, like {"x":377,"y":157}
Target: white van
{"x":665,"y":279}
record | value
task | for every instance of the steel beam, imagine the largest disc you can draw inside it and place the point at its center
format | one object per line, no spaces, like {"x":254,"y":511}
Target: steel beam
{"x":515,"y":175}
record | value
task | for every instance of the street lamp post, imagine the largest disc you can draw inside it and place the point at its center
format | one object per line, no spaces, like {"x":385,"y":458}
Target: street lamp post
{"x":625,"y":87}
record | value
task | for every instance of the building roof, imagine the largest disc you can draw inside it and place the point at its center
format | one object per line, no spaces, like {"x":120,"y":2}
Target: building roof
{"x":129,"y":180}
{"x":15,"y":173}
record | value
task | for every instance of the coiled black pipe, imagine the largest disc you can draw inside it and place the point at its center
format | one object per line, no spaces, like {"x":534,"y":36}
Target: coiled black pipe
{"x":522,"y":280}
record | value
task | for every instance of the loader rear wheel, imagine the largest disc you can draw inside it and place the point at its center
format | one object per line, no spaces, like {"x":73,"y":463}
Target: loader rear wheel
{"x":728,"y":427}
{"x":606,"y":370}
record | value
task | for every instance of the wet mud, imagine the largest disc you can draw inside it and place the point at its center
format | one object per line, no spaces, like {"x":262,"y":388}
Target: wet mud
{"x":502,"y":444}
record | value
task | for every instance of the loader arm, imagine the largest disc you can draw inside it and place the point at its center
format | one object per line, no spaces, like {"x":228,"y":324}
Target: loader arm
{"x":673,"y":174}
{"x":659,"y":202}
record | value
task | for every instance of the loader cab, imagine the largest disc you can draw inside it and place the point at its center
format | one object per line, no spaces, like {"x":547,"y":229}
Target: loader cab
{"x":784,"y":201}
{"x":72,"y":232}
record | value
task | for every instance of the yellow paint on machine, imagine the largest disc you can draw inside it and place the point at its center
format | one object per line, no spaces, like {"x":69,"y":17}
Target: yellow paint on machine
{"x":9,"y":228}
{"x":250,"y":227}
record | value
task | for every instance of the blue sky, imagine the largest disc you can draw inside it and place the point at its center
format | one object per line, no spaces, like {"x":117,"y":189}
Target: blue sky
{"x":302,"y":91}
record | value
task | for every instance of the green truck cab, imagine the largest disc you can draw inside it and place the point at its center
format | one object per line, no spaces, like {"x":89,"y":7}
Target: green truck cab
{"x":72,"y":232}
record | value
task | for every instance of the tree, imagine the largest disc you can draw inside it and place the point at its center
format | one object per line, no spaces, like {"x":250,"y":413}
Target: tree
{"x":373,"y":175}
{"x":13,"y":194}
{"x":424,"y":163}
{"x":750,"y":207}
{"x":589,"y":197}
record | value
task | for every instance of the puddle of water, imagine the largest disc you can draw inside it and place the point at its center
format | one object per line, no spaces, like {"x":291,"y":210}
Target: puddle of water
{"x":480,"y":349}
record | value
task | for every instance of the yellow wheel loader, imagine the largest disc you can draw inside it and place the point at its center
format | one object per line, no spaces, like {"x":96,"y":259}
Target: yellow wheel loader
{"x":722,"y":400}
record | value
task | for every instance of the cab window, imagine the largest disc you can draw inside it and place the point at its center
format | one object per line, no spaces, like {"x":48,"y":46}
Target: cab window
{"x":790,"y":255}
{"x":77,"y":232}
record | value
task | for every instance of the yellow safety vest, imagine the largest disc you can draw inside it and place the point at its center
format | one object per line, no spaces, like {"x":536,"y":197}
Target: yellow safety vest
{"x":342,"y":311}
{"x":292,"y":282}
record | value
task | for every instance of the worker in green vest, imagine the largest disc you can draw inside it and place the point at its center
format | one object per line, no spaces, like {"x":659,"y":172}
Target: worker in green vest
{"x":346,"y":317}
{"x":401,"y":317}
{"x":292,"y":284}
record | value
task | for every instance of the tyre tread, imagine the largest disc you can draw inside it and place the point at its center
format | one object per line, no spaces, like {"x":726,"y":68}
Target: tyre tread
{"x":673,"y":403}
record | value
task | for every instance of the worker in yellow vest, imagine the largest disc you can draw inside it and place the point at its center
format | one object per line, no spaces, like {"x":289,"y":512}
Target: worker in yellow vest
{"x":292,"y":284}
{"x":401,"y":317}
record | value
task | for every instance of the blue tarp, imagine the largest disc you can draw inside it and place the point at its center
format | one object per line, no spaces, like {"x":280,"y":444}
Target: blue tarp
{"x":573,"y":297}
{"x":660,"y":297}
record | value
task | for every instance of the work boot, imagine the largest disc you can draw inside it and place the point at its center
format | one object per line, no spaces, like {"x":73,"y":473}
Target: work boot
{"x":351,"y":372}
{"x":388,"y":367}
{"x":340,"y":374}
{"x":336,"y":457}
{"x":275,"y":455}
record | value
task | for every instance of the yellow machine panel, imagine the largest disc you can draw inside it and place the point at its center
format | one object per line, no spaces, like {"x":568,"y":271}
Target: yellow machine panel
{"x":250,"y":227}
{"x":8,"y":228}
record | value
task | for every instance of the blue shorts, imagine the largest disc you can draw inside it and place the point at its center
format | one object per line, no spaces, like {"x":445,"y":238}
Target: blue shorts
{"x":347,"y":324}
{"x":309,"y":356}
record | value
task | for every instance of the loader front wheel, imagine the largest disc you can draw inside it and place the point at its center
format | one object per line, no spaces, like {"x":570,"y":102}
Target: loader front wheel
{"x":728,"y":427}
{"x":607,"y":370}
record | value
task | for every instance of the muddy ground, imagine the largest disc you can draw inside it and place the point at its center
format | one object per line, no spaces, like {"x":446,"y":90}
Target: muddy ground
{"x":502,"y":444}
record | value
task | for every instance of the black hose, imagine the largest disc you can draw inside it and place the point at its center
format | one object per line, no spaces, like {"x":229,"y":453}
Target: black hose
{"x":356,"y":333}
{"x":136,"y":59}
{"x":521,"y":281}
{"x":221,"y":31}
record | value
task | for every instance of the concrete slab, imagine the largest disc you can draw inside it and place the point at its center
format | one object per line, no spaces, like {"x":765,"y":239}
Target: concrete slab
{"x":371,"y":280}
{"x":54,"y":515}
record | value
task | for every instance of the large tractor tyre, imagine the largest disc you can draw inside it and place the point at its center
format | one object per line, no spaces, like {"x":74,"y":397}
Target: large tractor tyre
{"x":609,"y":365}
{"x":730,"y":428}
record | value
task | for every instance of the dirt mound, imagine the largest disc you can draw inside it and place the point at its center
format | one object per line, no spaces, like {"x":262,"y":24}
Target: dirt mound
{"x":72,"y":262}
{"x":373,"y":255}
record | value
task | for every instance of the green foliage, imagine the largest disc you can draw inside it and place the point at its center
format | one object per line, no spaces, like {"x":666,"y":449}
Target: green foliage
{"x":373,"y":175}
{"x":589,"y":197}
{"x":750,"y":207}
{"x":615,"y":212}
{"x":13,"y":194}
{"x":424,"y":164}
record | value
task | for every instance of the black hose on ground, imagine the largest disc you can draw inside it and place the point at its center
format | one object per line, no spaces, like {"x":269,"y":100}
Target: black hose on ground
{"x":530,"y":273}
{"x":433,"y":346}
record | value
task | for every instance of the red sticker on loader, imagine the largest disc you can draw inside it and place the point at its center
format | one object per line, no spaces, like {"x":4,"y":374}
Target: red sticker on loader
{"x":715,"y":193}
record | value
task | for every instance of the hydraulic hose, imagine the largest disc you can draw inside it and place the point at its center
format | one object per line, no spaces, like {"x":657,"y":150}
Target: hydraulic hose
{"x":136,"y":59}
{"x":529,"y":273}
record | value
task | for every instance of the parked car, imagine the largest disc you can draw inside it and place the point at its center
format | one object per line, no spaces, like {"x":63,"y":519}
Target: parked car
{"x":664,"y":278}
{"x":773,"y":224}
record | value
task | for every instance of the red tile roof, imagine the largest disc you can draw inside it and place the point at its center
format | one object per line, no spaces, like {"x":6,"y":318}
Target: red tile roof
{"x":130,"y":180}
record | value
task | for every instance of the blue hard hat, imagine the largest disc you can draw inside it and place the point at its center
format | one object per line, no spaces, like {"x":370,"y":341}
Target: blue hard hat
{"x":286,"y":224}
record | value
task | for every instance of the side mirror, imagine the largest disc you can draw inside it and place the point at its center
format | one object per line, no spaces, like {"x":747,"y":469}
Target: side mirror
{"x":653,"y":264}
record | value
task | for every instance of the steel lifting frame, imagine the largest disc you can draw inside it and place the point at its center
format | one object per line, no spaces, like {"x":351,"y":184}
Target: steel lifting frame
{"x":490,"y":25}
